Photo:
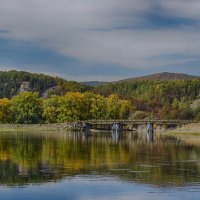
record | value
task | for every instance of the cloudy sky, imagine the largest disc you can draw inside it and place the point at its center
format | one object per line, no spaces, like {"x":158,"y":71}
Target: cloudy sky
{"x":100,"y":39}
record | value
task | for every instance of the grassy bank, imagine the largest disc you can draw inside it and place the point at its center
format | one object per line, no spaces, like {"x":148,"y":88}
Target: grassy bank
{"x":37,"y":127}
{"x":189,"y":134}
{"x":192,"y":129}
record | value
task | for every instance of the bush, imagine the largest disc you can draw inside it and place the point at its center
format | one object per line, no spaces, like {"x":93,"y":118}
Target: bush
{"x":139,"y":115}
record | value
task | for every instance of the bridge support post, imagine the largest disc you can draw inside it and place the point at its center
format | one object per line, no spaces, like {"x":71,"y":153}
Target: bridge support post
{"x":116,"y":127}
{"x":116,"y":131}
{"x":150,"y":132}
{"x":86,"y":127}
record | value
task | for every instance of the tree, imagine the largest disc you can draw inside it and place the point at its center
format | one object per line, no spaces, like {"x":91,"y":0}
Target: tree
{"x":139,"y":115}
{"x":113,"y":103}
{"x":73,"y":107}
{"x":51,"y":109}
{"x":97,"y":106}
{"x":5,"y":112}
{"x":125,"y":109}
{"x":27,"y":108}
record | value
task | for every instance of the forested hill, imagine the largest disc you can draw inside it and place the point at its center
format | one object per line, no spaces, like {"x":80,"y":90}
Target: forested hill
{"x":164,"y":76}
{"x":165,"y":95}
{"x":13,"y":82}
{"x":165,"y":98}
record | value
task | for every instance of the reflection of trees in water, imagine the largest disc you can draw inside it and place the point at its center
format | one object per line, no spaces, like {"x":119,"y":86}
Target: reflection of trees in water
{"x":35,"y":158}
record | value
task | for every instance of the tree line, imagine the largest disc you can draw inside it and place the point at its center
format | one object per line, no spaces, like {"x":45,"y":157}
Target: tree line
{"x":28,"y":107}
{"x":168,"y":99}
{"x":11,"y":81}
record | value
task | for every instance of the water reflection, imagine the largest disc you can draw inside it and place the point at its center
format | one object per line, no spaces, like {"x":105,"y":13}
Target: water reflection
{"x":115,"y":136}
{"x":150,"y":132}
{"x":35,"y":158}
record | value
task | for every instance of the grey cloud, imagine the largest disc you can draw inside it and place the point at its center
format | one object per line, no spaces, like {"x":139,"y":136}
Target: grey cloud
{"x":3,"y":31}
{"x":182,"y":8}
{"x":89,"y":30}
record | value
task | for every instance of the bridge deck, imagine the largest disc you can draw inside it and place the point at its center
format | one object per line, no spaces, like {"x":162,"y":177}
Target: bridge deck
{"x":130,"y":122}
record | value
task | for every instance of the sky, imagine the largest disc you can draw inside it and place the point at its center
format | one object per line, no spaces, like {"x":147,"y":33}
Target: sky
{"x":101,"y":40}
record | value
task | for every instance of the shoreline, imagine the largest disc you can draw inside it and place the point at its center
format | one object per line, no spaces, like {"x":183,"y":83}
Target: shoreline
{"x":189,"y":133}
{"x":68,"y":126}
{"x":188,"y":129}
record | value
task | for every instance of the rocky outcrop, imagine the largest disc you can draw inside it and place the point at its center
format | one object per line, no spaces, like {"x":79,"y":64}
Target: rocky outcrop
{"x":24,"y":87}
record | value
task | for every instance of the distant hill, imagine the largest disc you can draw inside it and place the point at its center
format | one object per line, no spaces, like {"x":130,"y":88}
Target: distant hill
{"x":13,"y":82}
{"x":93,"y":83}
{"x":167,"y":95}
{"x":164,"y":76}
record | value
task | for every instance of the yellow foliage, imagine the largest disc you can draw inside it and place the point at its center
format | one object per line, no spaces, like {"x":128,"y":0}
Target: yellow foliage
{"x":5,"y":105}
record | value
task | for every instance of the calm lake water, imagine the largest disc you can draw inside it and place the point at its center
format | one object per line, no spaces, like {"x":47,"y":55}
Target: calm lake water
{"x":102,"y":166}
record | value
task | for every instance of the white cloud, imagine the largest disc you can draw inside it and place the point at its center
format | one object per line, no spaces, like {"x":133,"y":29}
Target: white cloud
{"x":4,"y":68}
{"x":88,"y":30}
{"x":78,"y":77}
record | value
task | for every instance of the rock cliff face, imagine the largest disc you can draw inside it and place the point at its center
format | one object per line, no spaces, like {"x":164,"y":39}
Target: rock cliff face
{"x":24,"y":87}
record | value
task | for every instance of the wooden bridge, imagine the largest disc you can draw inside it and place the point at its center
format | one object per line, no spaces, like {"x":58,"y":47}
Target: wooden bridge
{"x":134,"y":124}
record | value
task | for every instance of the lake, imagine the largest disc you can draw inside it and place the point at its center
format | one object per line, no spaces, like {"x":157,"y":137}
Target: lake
{"x":100,"y":166}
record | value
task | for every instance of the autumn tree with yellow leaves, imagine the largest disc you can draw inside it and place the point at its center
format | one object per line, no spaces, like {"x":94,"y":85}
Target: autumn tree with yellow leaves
{"x":5,"y":114}
{"x":28,"y":108}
